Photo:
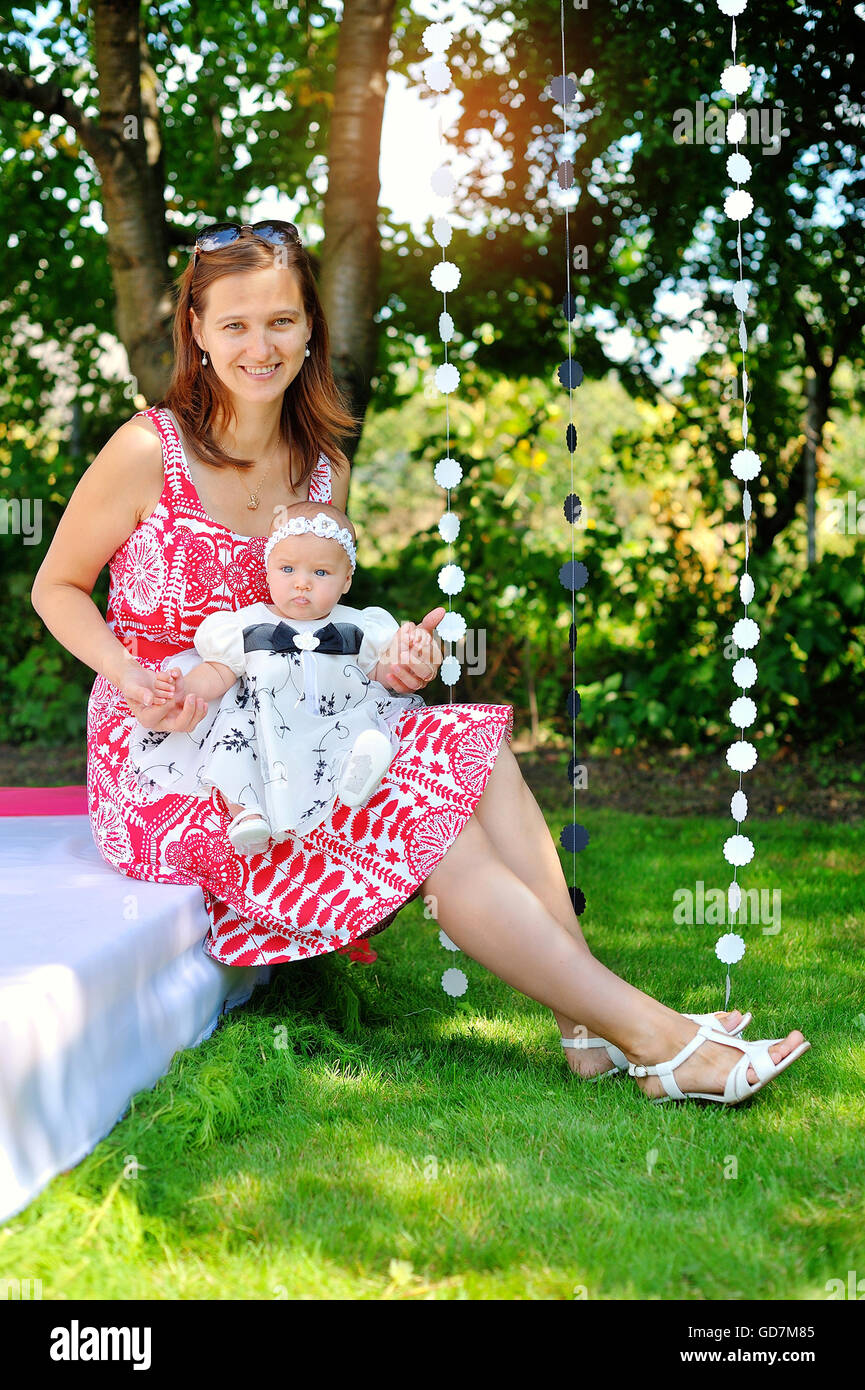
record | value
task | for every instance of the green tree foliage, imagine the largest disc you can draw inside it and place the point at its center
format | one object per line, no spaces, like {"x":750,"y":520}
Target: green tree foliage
{"x":663,"y":545}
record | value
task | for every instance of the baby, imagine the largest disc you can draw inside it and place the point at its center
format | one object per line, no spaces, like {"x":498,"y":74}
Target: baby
{"x":299,"y":707}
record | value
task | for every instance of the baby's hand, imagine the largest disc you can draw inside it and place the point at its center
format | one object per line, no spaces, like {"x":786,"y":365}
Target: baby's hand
{"x":174,"y":706}
{"x":422,"y":644}
{"x":169,"y":687}
{"x":414,"y":655}
{"x":163,"y":687}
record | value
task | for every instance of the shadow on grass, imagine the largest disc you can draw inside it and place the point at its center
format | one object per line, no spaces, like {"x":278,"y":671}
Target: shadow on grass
{"x":354,"y":1132}
{"x":459,"y":1144}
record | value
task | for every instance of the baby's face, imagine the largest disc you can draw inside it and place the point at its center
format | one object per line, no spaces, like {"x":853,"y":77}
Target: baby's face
{"x":307,"y":575}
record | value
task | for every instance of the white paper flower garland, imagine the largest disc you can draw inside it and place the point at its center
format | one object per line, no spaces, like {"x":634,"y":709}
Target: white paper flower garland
{"x":745,"y":465}
{"x":573,"y":575}
{"x":445,"y":277}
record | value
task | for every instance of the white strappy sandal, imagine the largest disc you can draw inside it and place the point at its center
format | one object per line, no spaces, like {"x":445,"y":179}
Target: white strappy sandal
{"x":620,"y":1061}
{"x":618,"y":1058}
{"x":755,"y":1054}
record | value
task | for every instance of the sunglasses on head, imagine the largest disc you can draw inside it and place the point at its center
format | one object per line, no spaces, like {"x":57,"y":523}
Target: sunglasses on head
{"x":224,"y":233}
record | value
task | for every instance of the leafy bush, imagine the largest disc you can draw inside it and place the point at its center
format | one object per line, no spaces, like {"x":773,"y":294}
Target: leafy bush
{"x":653,"y":657}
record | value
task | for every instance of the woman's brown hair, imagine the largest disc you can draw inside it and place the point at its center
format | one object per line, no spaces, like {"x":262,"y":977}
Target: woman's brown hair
{"x":314,"y":412}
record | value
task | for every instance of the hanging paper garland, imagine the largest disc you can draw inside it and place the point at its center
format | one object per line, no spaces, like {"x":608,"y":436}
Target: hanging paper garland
{"x":445,"y":277}
{"x":745,"y":465}
{"x":573,"y":575}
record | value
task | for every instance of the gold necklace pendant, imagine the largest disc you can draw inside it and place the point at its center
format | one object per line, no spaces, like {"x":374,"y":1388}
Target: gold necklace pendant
{"x":252,"y":504}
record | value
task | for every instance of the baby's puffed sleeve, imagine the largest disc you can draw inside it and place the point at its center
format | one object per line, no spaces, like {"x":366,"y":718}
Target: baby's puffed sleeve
{"x":220,"y":638}
{"x":379,"y":628}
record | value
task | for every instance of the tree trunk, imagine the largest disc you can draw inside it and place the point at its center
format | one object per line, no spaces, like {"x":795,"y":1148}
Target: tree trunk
{"x":801,"y":484}
{"x":529,"y":668}
{"x":351,"y":249}
{"x":817,"y":400}
{"x":125,"y":145}
{"x":133,"y":194}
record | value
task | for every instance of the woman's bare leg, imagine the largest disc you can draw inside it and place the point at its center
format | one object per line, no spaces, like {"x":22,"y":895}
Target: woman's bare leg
{"x":514,"y":822}
{"x":497,"y":920}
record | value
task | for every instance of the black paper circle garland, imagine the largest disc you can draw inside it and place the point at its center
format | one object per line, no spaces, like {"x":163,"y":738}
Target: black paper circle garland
{"x":573,"y":574}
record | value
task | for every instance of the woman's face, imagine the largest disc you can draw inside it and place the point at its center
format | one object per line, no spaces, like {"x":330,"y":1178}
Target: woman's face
{"x":307,"y":575}
{"x":252,"y":321}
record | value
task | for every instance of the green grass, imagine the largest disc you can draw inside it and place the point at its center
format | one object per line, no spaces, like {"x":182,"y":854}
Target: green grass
{"x":407,"y":1145}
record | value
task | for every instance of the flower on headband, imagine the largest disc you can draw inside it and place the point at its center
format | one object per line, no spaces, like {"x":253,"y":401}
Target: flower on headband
{"x":321,"y":525}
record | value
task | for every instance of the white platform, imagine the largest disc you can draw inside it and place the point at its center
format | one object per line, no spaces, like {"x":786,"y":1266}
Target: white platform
{"x":103,"y":979}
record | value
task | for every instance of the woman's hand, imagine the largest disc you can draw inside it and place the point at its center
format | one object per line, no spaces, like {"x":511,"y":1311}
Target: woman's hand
{"x":413,"y":657}
{"x":147,"y":694}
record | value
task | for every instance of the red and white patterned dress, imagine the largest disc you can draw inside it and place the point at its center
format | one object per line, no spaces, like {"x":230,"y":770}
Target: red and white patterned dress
{"x":354,"y":870}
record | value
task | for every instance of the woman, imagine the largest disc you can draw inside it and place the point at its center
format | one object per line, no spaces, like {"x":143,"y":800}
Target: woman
{"x":251,"y":405}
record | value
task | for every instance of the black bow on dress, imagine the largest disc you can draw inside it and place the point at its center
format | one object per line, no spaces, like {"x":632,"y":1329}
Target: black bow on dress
{"x":341,"y":638}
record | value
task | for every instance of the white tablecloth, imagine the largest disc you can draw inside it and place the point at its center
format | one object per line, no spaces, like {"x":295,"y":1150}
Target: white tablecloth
{"x":102,"y":979}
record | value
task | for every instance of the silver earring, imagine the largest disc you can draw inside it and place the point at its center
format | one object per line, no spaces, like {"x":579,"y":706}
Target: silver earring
{"x":307,"y":352}
{"x":204,"y":360}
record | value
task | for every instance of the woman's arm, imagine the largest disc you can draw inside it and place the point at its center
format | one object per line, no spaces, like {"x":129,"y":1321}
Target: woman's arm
{"x":101,"y":514}
{"x":339,"y":487}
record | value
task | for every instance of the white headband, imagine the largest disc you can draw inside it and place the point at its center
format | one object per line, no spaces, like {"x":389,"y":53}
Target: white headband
{"x":321,"y":525}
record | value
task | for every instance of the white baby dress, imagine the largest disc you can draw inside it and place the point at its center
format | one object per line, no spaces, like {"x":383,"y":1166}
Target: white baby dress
{"x":278,"y":738}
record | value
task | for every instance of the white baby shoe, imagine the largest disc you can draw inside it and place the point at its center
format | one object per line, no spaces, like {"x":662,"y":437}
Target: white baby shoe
{"x":364,"y":767}
{"x":249,"y":832}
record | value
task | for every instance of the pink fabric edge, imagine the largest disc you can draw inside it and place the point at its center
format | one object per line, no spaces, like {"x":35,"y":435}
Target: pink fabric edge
{"x":43,"y":801}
